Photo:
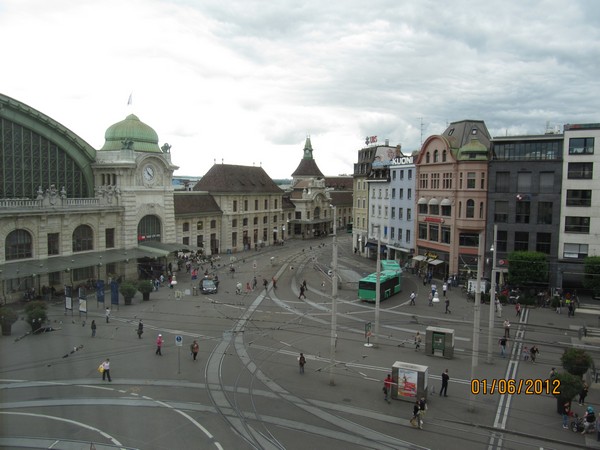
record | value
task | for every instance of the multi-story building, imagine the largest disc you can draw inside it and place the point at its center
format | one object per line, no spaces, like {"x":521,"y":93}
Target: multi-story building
{"x":402,"y":203}
{"x":579,"y":235}
{"x":524,"y":190}
{"x":452,"y":192}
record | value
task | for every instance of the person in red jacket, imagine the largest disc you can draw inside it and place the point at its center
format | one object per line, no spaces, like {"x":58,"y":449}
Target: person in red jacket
{"x":387,"y":388}
{"x":159,"y":343}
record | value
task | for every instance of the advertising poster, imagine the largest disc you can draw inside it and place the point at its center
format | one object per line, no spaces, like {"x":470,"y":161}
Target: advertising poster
{"x":100,"y":291}
{"x":68,"y":297}
{"x":407,"y":383}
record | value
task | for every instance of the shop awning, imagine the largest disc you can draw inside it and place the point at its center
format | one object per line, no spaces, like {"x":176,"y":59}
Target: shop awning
{"x":419,"y":258}
{"x":166,"y":247}
{"x":435,"y":262}
{"x":400,"y":249}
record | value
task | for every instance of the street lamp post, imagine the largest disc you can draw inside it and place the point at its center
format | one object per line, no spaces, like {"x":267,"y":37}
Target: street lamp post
{"x":377,"y":286}
{"x":334,"y":289}
{"x":492,"y":298}
{"x":476,"y":316}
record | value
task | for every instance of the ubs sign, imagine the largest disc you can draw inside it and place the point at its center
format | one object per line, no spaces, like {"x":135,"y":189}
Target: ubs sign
{"x":403,"y":160}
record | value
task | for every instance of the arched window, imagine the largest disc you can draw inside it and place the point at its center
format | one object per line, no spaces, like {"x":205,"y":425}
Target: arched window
{"x":83,"y":238}
{"x":149,"y":229}
{"x":427,"y":157}
{"x":444,"y":156}
{"x":435,"y":156}
{"x":18,"y":245}
{"x":470,"y":209}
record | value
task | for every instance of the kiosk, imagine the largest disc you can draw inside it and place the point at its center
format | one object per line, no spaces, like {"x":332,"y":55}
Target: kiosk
{"x":410,"y":381}
{"x":439,"y":342}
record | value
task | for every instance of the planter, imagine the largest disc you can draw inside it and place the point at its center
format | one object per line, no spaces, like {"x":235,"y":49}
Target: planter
{"x":6,"y":330}
{"x":146,"y":296}
{"x":128,"y":300}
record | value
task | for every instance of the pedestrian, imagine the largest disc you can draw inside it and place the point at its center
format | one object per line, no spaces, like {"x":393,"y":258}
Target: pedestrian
{"x":248,"y":288}
{"x":107,"y":314}
{"x":502,"y":343}
{"x":387,"y":388}
{"x":571,"y":312}
{"x":265,"y":284}
{"x":238,"y":288}
{"x":449,"y":284}
{"x":444,"y":288}
{"x":416,"y":419}
{"x":302,"y":292}
{"x":194,"y":348}
{"x":583,"y":394}
{"x":506,"y":328}
{"x":430,"y":299}
{"x":301,"y":362}
{"x":422,"y":407}
{"x":140,"y":329}
{"x":447,"y":306}
{"x":533,"y":352}
{"x":433,"y":289}
{"x":274,"y":281}
{"x":566,"y":413}
{"x":159,"y":343}
{"x":445,"y":379}
{"x":525,"y":353}
{"x":413,"y":296}
{"x":417,"y":341}
{"x":553,"y":374}
{"x":93,"y":325}
{"x":518,"y":309}
{"x":106,"y":370}
{"x":304,"y":284}
{"x":254,"y":283}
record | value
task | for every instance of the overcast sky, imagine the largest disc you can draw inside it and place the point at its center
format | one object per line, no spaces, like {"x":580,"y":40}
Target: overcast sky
{"x":245,"y":81}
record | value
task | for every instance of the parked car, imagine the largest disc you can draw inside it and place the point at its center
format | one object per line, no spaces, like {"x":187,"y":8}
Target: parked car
{"x":208,"y":286}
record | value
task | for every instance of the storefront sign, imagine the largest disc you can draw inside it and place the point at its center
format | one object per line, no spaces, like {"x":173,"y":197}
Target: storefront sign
{"x":434,"y":219}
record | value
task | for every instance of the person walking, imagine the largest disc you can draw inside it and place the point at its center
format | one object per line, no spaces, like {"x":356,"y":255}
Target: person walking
{"x":194,"y":348}
{"x":159,"y":344}
{"x":525,"y":353}
{"x":445,"y":379}
{"x":417,"y":341}
{"x":583,"y":394}
{"x":444,"y":288}
{"x":447,"y":306}
{"x":413,"y":297}
{"x":533,"y":352}
{"x":566,"y":414}
{"x":93,"y":326}
{"x":387,"y":388}
{"x":422,"y":407}
{"x":106,"y":370}
{"x":265,"y":284}
{"x":238,"y":288}
{"x":302,"y":288}
{"x":518,"y":309}
{"x":301,"y":362}
{"x":254,"y":283}
{"x":304,"y":284}
{"x":274,"y":281}
{"x":506,"y":328}
{"x":107,"y":314}
{"x":140,"y":329}
{"x":430,"y":299}
{"x":416,"y":419}
{"x":502,"y":343}
{"x":571,"y":310}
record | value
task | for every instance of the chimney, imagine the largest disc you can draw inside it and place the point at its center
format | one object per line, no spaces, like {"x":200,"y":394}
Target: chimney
{"x":387,"y":142}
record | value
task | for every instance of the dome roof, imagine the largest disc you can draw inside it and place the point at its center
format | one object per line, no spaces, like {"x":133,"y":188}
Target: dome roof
{"x":131,"y":133}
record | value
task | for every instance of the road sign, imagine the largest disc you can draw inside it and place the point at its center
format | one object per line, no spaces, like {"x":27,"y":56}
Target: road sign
{"x":178,"y":341}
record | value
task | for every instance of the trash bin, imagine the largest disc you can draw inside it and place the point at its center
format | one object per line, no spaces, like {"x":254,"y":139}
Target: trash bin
{"x":194,"y":291}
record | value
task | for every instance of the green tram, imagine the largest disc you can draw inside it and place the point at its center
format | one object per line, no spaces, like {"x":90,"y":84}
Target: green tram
{"x":390,"y":280}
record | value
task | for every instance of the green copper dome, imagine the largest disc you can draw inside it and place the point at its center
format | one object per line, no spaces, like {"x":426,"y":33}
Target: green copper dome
{"x":473,"y":150}
{"x":133,"y":134}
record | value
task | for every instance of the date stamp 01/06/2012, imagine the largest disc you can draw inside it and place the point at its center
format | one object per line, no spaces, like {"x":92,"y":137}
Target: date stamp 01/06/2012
{"x":527,"y":386}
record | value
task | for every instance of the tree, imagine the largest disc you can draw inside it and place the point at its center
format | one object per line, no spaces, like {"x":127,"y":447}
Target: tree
{"x":591,"y":279}
{"x":8,"y":317}
{"x":568,"y":385}
{"x":128,"y":290}
{"x":145,"y":287}
{"x":527,"y":268}
{"x":36,"y":314}
{"x":576,"y":361}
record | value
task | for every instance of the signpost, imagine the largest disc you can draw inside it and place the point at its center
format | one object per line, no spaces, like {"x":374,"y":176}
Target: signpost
{"x":179,"y":344}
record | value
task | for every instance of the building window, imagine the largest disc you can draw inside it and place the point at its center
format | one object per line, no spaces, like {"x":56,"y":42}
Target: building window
{"x":401,"y":193}
{"x":422,"y":208}
{"x":54,"y":243}
{"x":402,"y":174}
{"x":186,"y":226}
{"x":482,"y":181}
{"x":521,"y":241}
{"x":408,"y":214}
{"x":577,"y":224}
{"x":393,"y":174}
{"x":423,"y":231}
{"x":544,"y":216}
{"x":471,"y":176}
{"x":186,"y":240}
{"x":579,"y":197}
{"x":434,"y":231}
{"x":481,"y":210}
{"x":547,"y":182}
{"x":435,"y":181}
{"x":234,"y":239}
{"x":400,"y":213}
{"x":256,"y":221}
{"x":379,"y":193}
{"x":373,"y":209}
{"x":109,"y":238}
{"x":460,"y":181}
{"x":522,"y":212}
{"x":502,"y":181}
{"x":470,"y":209}
{"x":373,"y":193}
{"x":234,"y":223}
{"x":544,"y":241}
{"x":275,"y":203}
{"x":255,"y":205}
{"x":423,"y":180}
{"x":266,"y":219}
{"x":199,"y":225}
{"x":435,"y":156}
{"x":408,"y":236}
{"x":393,"y":212}
{"x":386,"y":193}
{"x":83,"y":238}
{"x":235,"y":206}
{"x":427,"y":158}
{"x":580,"y":171}
{"x":444,"y":155}
{"x":149,"y":228}
{"x":266,"y":205}
{"x":358,"y":202}
{"x":393,"y":193}
{"x":524,"y":182}
{"x":213,"y":224}
{"x":501,"y":211}
{"x":447,"y":181}
{"x":581,"y":146}
{"x":399,"y":234}
{"x":408,"y":193}
{"x":502,"y":241}
{"x":245,"y":205}
{"x":200,"y":241}
{"x":18,"y":245}
{"x":446,"y":210}
{"x":434,"y":210}
{"x":446,"y":235}
{"x":575,"y":251}
{"x":244,"y":222}
{"x":378,"y":210}
{"x":468,"y":239}
{"x":410,"y":174}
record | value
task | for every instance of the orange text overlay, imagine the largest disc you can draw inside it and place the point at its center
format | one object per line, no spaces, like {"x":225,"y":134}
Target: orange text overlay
{"x":526,"y":386}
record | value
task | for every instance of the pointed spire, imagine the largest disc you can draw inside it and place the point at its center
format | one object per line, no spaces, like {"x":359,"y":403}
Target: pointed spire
{"x":308,"y":149}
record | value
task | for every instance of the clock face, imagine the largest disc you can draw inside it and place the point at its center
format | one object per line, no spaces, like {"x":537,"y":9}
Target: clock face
{"x":148,"y":172}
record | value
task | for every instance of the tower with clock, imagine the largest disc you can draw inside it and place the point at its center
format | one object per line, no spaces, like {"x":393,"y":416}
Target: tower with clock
{"x":132,"y":163}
